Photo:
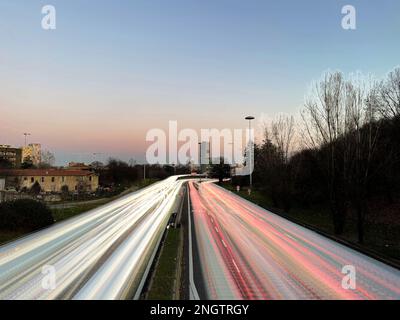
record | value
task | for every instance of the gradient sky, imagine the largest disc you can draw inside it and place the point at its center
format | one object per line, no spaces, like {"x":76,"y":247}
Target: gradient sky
{"x":114,"y":69}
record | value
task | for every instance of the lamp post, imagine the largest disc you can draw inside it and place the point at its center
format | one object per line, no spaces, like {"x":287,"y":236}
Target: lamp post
{"x":200,"y":157}
{"x":26,"y":134}
{"x":95,"y":154}
{"x":209,"y":152}
{"x":249,"y":118}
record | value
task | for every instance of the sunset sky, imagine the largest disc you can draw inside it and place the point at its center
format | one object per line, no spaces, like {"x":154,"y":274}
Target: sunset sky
{"x":112,"y":70}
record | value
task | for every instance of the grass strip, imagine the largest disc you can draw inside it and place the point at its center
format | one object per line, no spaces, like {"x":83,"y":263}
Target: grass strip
{"x":163,"y":283}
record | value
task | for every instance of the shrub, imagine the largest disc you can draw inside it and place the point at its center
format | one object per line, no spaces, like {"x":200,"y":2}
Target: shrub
{"x":25,"y":214}
{"x":36,"y":188}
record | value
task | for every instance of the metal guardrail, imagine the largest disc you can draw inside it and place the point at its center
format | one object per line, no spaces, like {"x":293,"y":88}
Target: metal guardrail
{"x":193,"y":294}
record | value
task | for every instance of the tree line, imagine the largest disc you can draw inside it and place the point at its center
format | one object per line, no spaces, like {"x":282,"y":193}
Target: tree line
{"x":120,"y":173}
{"x":344,"y":152}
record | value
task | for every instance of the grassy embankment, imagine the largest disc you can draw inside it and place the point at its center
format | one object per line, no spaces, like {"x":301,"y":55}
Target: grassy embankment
{"x":165,"y":282}
{"x":6,"y":236}
{"x":61,"y":214}
{"x":381,"y":237}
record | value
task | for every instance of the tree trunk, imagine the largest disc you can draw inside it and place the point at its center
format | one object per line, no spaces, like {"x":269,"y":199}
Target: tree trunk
{"x":361,"y":208}
{"x":338,"y":209}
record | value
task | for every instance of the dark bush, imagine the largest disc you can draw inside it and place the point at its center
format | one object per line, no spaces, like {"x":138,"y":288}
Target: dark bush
{"x":36,"y":188}
{"x":25,"y":214}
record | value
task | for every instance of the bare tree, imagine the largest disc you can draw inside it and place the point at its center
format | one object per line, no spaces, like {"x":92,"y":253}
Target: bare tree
{"x":324,"y":121}
{"x":362,"y":132}
{"x":281,"y":132}
{"x":390,"y":95}
{"x":275,"y":154}
{"x":341,"y":120}
{"x":47,"y":159}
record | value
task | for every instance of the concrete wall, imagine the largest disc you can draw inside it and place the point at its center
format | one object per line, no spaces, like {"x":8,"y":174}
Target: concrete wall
{"x":10,"y":196}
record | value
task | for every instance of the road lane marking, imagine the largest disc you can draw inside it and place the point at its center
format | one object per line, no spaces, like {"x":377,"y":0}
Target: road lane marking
{"x":289,"y":236}
{"x":234,"y":263}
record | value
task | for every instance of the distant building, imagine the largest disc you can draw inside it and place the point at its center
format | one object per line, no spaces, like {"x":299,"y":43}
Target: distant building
{"x":50,"y":180}
{"x":13,"y":155}
{"x":78,"y":166}
{"x":205,"y":153}
{"x":33,"y":152}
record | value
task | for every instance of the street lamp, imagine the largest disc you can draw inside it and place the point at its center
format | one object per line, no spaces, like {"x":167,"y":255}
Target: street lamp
{"x":249,"y":118}
{"x":26,"y":134}
{"x":95,"y":154}
{"x":200,"y":157}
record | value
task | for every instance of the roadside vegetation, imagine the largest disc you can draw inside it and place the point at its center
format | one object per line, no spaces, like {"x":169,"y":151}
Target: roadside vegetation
{"x":164,"y":283}
{"x":60,"y":214}
{"x":69,"y":210}
{"x":338,"y":168}
{"x":21,"y":217}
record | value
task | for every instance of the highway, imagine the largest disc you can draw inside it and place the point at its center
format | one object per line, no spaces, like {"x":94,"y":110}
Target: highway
{"x":102,"y":254}
{"x":242,"y":252}
{"x":246,"y":252}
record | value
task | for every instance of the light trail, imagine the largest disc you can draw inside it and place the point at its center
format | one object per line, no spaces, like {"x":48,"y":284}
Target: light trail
{"x":102,"y":254}
{"x":247,"y":252}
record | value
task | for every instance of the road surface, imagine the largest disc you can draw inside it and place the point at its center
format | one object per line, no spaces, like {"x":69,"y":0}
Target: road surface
{"x":102,"y":254}
{"x":246,"y":252}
